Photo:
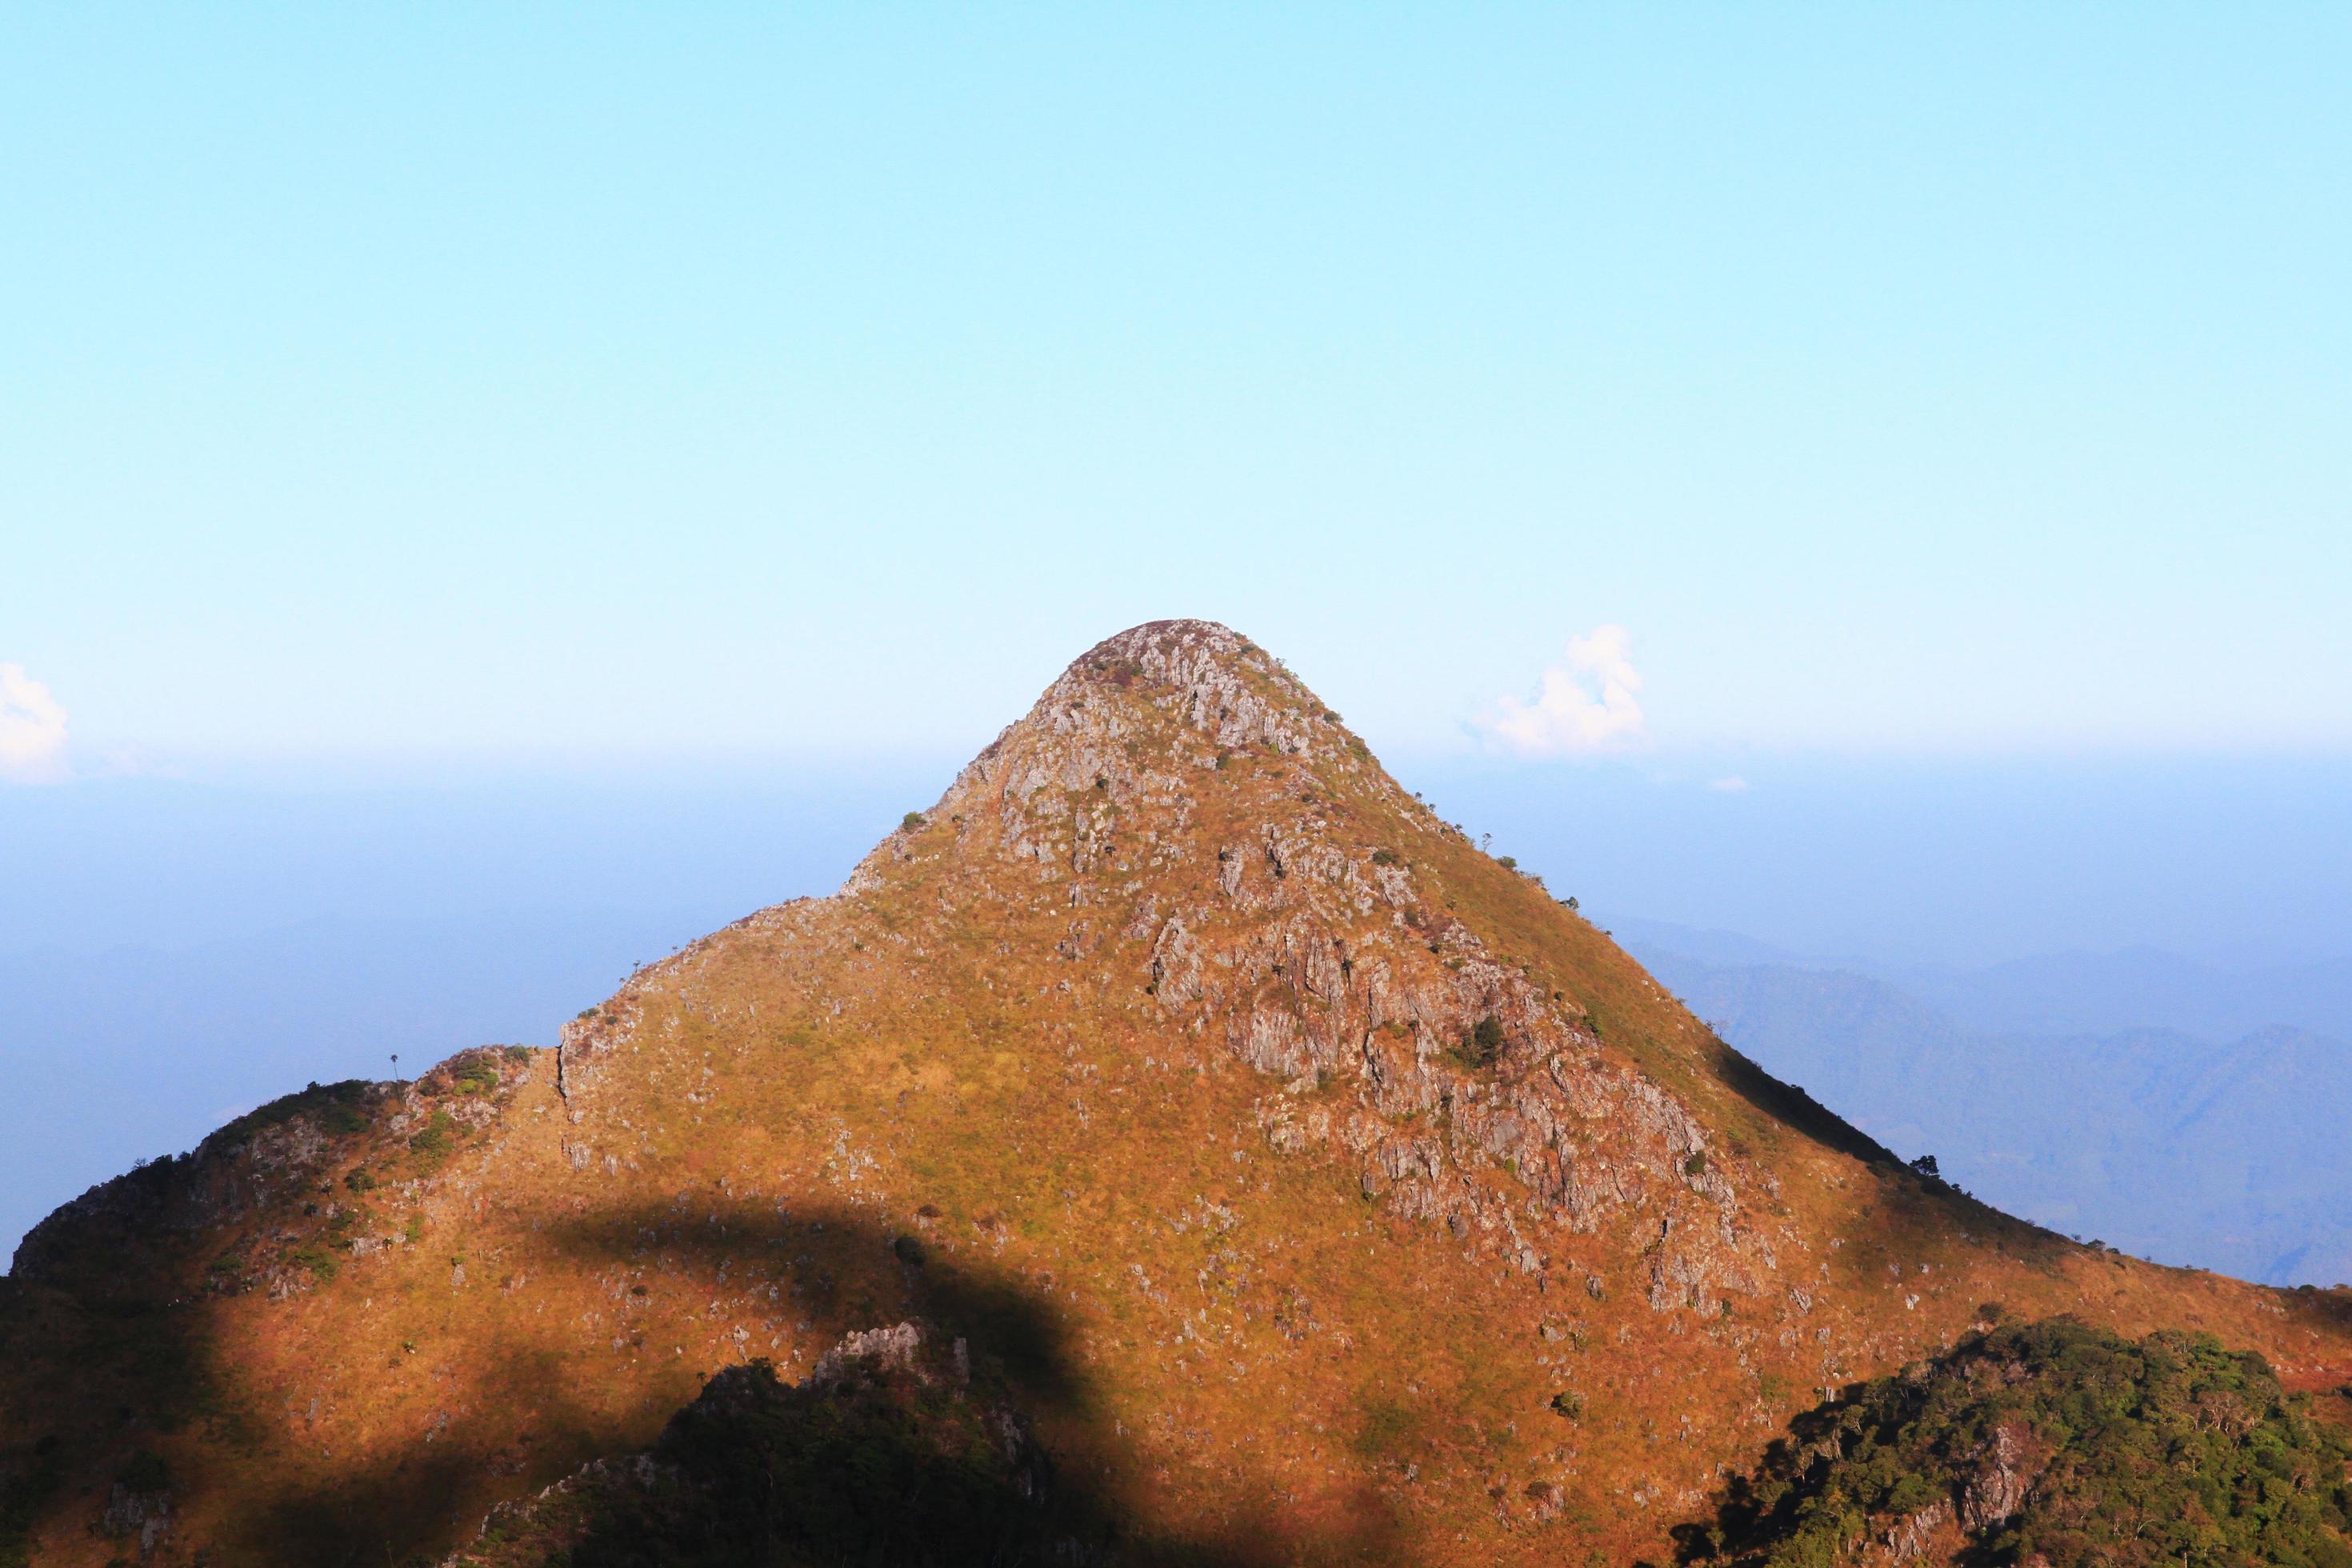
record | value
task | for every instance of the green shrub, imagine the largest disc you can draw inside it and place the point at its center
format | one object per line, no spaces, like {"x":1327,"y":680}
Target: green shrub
{"x":475,"y":1075}
{"x":320,"y":1261}
{"x":432,"y":1143}
{"x":911,"y":821}
{"x":339,"y":1107}
{"x":1483,"y":1045}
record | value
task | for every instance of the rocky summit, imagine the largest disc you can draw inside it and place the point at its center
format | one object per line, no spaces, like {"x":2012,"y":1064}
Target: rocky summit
{"x":1177,"y":1143}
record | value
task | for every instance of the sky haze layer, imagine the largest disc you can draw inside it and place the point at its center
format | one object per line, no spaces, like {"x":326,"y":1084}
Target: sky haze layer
{"x":598,"y":385}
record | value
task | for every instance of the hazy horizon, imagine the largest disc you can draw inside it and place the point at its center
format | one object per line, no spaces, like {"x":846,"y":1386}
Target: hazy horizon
{"x":206,"y":946}
{"x":1898,"y":861}
{"x":1870,"y":482}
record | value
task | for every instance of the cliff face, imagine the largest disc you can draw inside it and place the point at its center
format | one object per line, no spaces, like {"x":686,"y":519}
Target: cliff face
{"x":1302,"y":1182}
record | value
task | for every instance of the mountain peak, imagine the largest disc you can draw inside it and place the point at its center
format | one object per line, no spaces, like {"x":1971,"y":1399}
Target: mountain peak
{"x":1310,"y":1184}
{"x":1181,"y":720}
{"x":1229,"y":692}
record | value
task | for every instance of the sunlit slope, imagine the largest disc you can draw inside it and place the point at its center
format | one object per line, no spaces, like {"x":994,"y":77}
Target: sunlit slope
{"x":1317,"y":1187}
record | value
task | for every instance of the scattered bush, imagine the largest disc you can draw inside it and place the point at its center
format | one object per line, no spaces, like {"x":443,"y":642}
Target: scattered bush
{"x":475,"y":1075}
{"x":321,"y":1262}
{"x":432,"y":1143}
{"x":339,"y":1107}
{"x":1483,"y":1045}
{"x":911,"y":821}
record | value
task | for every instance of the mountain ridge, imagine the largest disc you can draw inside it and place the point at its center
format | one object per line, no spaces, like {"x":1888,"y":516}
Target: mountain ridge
{"x":1374,"y":1201}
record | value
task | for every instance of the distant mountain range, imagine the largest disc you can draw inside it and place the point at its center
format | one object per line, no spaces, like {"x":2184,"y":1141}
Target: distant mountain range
{"x":1174,"y":1144}
{"x":2177,"y":1110}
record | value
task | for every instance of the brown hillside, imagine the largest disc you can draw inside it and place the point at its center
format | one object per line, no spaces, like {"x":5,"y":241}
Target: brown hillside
{"x":1303,"y":1184}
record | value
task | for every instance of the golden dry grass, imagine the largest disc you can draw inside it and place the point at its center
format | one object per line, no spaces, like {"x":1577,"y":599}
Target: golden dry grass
{"x":1244,"y":1350}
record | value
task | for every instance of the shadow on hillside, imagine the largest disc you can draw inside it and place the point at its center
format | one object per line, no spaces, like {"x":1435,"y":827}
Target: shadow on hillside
{"x":1792,"y":1107}
{"x":2322,"y":1310}
{"x":1912,"y":1199}
{"x":998,"y":1455}
{"x":1742,"y":1508}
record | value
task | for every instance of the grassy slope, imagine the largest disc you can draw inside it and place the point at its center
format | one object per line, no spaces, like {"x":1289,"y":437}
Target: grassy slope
{"x":1231,"y":1347}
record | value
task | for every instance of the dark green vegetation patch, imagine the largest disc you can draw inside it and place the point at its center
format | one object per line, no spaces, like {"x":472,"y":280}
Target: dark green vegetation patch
{"x":881,"y":1466}
{"x":2052,"y":1443}
{"x":339,"y":1108}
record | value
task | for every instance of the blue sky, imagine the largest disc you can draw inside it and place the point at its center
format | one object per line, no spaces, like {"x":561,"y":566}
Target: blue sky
{"x":487,"y":492}
{"x":401,"y":387}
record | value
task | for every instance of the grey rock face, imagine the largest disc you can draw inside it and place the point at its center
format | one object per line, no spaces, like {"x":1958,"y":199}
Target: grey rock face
{"x":1319,"y":963}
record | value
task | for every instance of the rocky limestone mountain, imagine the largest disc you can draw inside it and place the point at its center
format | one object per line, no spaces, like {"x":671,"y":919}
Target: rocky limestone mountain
{"x":1298,"y":1182}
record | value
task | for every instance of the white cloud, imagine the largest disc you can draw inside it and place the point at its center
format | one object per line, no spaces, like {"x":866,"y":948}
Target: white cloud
{"x":1587,"y":703}
{"x":1732,"y":785}
{"x":32,"y":729}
